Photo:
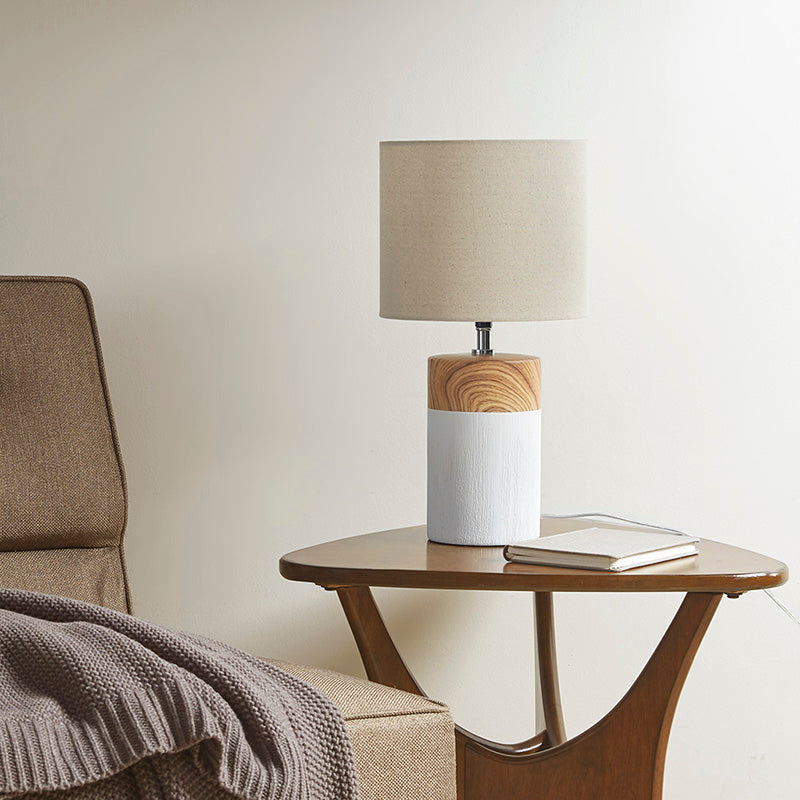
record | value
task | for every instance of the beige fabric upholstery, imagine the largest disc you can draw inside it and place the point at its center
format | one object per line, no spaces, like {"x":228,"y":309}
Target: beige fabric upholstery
{"x":61,"y":479}
{"x":403,"y":744}
{"x":91,"y":574}
{"x":63,"y":508}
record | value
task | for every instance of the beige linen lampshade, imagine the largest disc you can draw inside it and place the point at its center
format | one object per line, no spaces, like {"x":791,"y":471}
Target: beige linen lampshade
{"x":482,"y":230}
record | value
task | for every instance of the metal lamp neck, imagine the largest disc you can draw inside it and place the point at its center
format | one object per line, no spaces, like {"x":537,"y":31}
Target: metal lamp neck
{"x":484,"y":348}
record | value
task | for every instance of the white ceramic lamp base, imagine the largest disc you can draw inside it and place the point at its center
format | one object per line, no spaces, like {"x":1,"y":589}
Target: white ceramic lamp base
{"x":483,"y":476}
{"x":484,"y":449}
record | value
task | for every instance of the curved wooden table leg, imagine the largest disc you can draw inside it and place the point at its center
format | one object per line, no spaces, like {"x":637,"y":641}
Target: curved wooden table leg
{"x":380,"y":657}
{"x":384,"y":664}
{"x":548,"y":670}
{"x":621,"y":756}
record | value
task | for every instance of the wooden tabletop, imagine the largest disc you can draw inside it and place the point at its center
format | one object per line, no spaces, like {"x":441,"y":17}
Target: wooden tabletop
{"x":405,"y":558}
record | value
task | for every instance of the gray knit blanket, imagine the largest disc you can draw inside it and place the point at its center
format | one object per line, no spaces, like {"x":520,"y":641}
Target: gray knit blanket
{"x":110,"y":707}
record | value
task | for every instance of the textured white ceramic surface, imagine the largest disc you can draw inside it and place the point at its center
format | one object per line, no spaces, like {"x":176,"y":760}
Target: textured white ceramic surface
{"x":483,"y":476}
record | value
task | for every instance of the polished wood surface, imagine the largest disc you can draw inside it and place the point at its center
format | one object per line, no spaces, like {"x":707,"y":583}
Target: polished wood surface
{"x":622,"y":755}
{"x":405,"y":558}
{"x":548,"y":669}
{"x":383,"y":664}
{"x":379,"y":655}
{"x":496,"y":383}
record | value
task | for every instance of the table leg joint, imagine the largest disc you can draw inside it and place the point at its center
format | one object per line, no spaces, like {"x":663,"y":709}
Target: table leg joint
{"x":622,"y":755}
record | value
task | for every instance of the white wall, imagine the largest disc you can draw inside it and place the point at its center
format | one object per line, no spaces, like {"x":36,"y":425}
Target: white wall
{"x":210,"y":169}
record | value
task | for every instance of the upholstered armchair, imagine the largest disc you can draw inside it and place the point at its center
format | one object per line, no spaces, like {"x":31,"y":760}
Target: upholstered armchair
{"x":63,"y":509}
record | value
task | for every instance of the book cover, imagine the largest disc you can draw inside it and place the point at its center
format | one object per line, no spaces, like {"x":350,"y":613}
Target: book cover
{"x":603,"y":549}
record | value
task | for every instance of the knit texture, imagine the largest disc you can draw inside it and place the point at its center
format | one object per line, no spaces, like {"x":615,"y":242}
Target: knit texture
{"x":110,"y":706}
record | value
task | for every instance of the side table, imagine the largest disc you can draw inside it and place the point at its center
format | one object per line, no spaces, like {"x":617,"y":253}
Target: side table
{"x":622,"y":755}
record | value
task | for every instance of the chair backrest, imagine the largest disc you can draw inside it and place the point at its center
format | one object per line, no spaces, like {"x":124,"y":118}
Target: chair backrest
{"x":63,"y":503}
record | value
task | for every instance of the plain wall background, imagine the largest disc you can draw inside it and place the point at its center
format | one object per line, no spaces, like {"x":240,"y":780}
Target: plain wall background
{"x":210,"y":169}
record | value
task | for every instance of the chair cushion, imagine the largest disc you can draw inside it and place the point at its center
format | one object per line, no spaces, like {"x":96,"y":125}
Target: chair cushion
{"x":92,"y":574}
{"x":403,"y":744}
{"x":62,"y":482}
{"x":62,"y":487}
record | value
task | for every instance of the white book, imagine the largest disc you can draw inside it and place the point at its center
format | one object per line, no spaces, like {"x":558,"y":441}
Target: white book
{"x":603,"y":549}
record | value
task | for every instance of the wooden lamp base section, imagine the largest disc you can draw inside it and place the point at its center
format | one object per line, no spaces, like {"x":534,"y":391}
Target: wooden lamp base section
{"x":484,"y":448}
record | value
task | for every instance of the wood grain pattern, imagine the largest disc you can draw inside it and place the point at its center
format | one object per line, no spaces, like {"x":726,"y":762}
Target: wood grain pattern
{"x":384,"y":664}
{"x":379,"y":655}
{"x":496,"y":383}
{"x":406,"y":558}
{"x":548,"y":669}
{"x":622,"y":755}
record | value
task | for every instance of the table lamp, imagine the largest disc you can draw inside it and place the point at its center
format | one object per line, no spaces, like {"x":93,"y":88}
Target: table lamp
{"x":483,"y":231}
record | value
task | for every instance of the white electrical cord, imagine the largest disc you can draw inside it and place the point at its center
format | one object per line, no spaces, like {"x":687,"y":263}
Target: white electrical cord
{"x":619,"y":519}
{"x":600,"y":515}
{"x":782,"y":607}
